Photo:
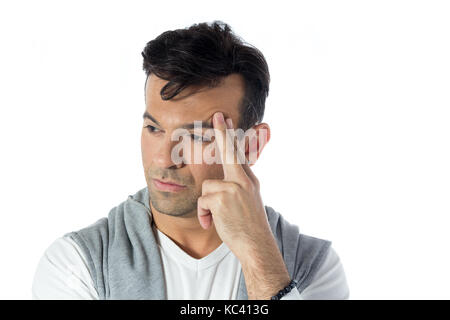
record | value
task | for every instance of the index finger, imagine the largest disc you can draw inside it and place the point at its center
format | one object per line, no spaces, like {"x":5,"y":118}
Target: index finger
{"x":229,"y":154}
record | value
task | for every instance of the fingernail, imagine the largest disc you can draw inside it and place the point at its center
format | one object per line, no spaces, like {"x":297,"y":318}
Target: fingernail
{"x":229,"y":123}
{"x":219,"y":117}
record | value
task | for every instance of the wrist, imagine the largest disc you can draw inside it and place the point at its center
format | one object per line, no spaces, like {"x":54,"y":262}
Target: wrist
{"x":283,"y":292}
{"x":263,"y":285}
{"x":265,"y":274}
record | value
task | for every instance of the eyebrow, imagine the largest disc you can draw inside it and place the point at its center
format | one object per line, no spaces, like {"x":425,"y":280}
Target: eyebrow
{"x":205,"y":124}
{"x":149,"y":116}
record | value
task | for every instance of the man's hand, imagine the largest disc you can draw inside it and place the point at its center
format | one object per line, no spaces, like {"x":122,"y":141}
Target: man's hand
{"x":235,"y":207}
{"x":234,"y":203}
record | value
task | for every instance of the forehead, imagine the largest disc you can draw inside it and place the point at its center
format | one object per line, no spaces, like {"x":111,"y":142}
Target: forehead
{"x":194,"y":103}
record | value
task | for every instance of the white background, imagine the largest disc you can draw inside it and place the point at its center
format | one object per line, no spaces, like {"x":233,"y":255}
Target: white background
{"x":358,"y":107}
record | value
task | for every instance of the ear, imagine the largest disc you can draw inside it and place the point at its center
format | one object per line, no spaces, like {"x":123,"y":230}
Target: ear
{"x":261,"y":136}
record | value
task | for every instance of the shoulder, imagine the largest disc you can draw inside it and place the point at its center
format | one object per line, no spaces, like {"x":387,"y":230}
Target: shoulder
{"x":109,"y":238}
{"x":101,"y":231}
{"x":62,"y":273}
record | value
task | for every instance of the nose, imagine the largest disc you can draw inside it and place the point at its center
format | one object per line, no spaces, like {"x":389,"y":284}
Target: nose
{"x":163,"y":155}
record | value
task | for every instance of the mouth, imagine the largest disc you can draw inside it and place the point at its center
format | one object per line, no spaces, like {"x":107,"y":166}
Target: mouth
{"x":167,"y":186}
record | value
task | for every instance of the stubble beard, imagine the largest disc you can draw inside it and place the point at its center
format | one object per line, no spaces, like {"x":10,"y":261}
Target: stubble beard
{"x":182,"y":205}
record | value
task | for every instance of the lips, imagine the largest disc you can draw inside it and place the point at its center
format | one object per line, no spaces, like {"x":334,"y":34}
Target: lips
{"x":167,"y":186}
{"x":169,"y":182}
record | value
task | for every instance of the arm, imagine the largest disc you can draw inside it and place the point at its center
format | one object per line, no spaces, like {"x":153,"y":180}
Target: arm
{"x":235,"y":207}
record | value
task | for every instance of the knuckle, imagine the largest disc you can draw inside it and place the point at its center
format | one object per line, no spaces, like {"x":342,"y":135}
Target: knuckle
{"x":206,"y":182}
{"x":233,"y":188}
{"x":247,"y":184}
{"x":221,"y":198}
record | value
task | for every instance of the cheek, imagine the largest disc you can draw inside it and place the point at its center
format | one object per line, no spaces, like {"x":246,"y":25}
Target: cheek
{"x":201,"y":172}
{"x":197,"y":153}
{"x":146,"y":147}
{"x":201,"y":156}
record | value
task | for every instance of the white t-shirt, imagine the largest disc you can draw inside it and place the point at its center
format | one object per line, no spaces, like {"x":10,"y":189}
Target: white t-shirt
{"x":62,"y":273}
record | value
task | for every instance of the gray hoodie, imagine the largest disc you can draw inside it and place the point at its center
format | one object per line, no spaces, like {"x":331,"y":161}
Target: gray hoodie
{"x":125,"y":263}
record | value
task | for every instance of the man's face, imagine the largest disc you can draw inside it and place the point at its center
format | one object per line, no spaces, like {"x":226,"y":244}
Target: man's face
{"x":157,"y":145}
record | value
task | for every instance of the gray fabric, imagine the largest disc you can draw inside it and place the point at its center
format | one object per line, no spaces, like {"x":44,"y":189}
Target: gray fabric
{"x":125,"y":263}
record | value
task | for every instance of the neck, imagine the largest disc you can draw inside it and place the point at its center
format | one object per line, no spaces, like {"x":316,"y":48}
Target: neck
{"x":187,"y":233}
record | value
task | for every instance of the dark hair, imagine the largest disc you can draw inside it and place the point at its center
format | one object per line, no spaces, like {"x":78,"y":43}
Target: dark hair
{"x":202,"y":55}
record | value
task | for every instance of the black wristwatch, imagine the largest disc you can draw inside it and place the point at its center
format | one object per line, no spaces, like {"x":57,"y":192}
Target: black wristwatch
{"x":285,"y":291}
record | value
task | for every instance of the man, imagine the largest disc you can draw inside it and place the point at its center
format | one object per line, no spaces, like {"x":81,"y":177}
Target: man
{"x":199,"y":229}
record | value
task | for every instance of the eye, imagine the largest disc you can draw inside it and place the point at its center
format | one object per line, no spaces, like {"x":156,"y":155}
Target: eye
{"x":151,"y":129}
{"x":197,"y":138}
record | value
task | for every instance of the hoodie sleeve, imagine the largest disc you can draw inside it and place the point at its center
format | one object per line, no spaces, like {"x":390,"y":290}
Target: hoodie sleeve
{"x":329,"y":283}
{"x":62,"y":274}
